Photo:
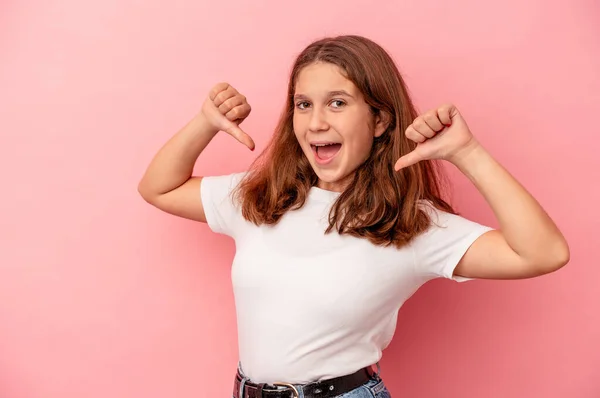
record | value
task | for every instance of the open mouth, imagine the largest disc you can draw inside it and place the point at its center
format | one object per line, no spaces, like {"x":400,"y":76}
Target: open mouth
{"x":326,"y":151}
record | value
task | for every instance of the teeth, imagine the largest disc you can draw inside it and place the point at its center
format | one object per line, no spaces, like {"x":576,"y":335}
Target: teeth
{"x":331,"y":143}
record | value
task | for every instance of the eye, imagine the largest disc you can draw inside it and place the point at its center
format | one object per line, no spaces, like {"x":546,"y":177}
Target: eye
{"x":302,"y":105}
{"x":337,"y":103}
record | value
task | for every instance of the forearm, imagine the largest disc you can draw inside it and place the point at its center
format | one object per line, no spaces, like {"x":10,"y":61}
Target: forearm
{"x":174,"y":163}
{"x":526,"y":227}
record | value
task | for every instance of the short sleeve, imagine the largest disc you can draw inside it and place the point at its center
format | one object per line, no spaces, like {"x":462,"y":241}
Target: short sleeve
{"x":439,"y":249}
{"x":223,"y":215}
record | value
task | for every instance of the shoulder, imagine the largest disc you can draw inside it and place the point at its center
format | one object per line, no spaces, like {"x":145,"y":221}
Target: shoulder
{"x":441,"y":246}
{"x":441,"y":218}
{"x":221,"y":186}
{"x":226,"y":180}
{"x":221,"y":208}
{"x":438,"y":218}
{"x":218,"y":190}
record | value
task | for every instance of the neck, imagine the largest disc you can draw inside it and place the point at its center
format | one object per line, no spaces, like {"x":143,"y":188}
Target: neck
{"x":335,"y":186}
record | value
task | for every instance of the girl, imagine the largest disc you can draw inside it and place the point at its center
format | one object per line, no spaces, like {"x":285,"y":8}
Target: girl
{"x":341,"y":219}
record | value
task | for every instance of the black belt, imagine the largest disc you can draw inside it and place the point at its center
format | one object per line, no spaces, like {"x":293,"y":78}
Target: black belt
{"x":320,"y":389}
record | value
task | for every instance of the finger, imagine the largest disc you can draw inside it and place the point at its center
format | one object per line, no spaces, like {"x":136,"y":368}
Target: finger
{"x":422,"y":128}
{"x":414,"y":135}
{"x":224,"y":96}
{"x":445,"y":114}
{"x":407,"y":160}
{"x":240,"y":135}
{"x":239,"y":112}
{"x":433,"y":121}
{"x":230,"y":104}
{"x":217,"y":89}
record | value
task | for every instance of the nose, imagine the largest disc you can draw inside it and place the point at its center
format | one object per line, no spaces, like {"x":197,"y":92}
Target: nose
{"x":318,"y":121}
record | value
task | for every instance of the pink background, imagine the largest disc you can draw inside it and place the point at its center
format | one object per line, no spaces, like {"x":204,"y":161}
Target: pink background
{"x":101,"y":295}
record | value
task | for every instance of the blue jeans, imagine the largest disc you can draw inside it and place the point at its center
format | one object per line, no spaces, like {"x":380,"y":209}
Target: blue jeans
{"x":374,"y":388}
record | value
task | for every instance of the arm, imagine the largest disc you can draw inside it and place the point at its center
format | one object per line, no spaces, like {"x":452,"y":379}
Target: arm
{"x":528,"y":243}
{"x":168,"y":183}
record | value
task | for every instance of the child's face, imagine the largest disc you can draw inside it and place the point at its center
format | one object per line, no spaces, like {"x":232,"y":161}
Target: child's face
{"x":333,"y":124}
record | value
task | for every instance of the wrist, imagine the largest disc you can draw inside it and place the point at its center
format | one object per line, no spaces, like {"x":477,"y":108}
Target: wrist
{"x":203,"y":126}
{"x":467,"y":155}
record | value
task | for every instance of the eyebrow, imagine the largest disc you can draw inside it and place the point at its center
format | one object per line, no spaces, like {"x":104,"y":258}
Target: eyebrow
{"x":330,"y":94}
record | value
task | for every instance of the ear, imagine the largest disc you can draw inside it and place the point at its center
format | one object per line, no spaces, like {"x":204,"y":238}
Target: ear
{"x":382,"y":122}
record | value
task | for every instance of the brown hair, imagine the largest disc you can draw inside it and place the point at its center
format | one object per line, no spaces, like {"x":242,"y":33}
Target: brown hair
{"x":379,"y":204}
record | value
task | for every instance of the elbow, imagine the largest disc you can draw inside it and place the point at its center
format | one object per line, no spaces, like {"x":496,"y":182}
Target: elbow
{"x":141,"y":190}
{"x":145,"y":193}
{"x":563,"y":256}
{"x":558,"y":257}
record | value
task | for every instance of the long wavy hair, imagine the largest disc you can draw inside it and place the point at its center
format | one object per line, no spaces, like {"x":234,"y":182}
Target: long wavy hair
{"x":378,"y":204}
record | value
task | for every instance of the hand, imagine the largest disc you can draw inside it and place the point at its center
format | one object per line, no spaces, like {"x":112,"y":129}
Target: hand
{"x":225,"y":109}
{"x":440,"y":133}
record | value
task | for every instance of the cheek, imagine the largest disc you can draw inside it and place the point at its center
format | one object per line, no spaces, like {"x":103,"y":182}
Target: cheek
{"x":297,"y":126}
{"x":364,"y":149}
{"x":360,"y":143}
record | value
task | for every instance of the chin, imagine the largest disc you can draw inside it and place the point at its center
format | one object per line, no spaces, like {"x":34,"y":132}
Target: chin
{"x":333,"y":178}
{"x":327,"y":175}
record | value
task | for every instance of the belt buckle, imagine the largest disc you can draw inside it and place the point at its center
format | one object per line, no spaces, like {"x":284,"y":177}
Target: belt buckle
{"x":295,"y":392}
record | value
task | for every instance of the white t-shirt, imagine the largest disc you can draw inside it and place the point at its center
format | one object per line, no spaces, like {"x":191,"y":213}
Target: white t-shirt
{"x":312,"y":306}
